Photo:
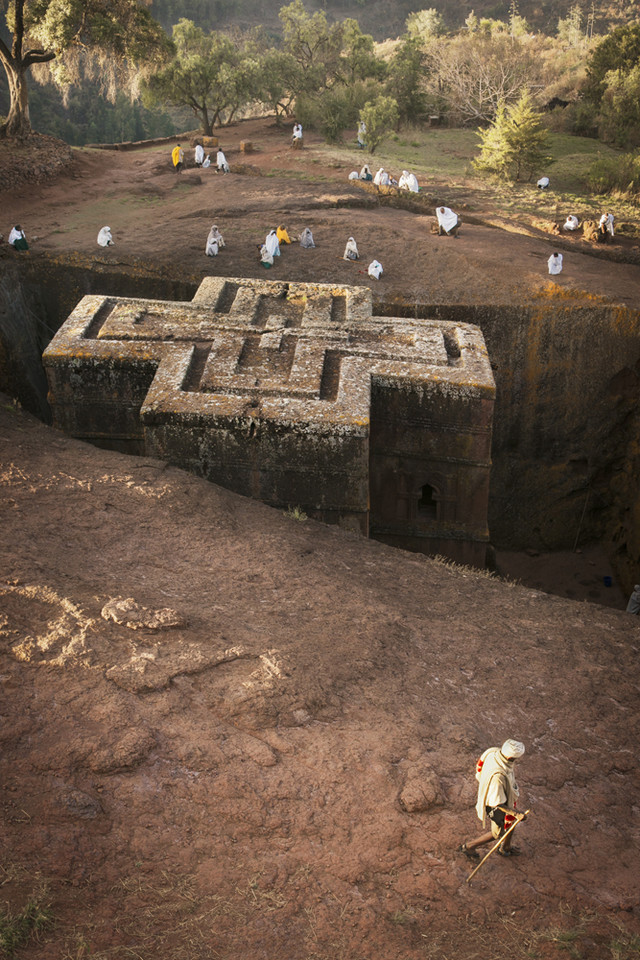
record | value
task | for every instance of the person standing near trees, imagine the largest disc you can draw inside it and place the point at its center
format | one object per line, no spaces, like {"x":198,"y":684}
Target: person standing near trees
{"x":177,"y":157}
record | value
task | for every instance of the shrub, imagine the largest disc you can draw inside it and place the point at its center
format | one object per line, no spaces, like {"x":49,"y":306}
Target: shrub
{"x":620,"y":175}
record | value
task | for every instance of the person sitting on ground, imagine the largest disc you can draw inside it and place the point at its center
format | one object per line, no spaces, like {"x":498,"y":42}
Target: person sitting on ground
{"x":221,"y":162}
{"x":282,"y":234}
{"x":365,"y":173}
{"x":543,"y":183}
{"x":571,"y":223}
{"x":605,"y":225}
{"x":381,"y":178}
{"x":199,"y":155}
{"x":104,"y":237}
{"x":297,"y":132}
{"x":362,"y":130}
{"x":408,"y":181}
{"x":17,"y":238}
{"x":354,"y":175}
{"x":206,"y":163}
{"x":272,"y":243}
{"x":177,"y":157}
{"x":214,"y":242}
{"x":375,"y":269}
{"x":306,"y":239}
{"x":266,"y":258}
{"x":351,"y":250}
{"x":448,"y":222}
{"x":555,"y":263}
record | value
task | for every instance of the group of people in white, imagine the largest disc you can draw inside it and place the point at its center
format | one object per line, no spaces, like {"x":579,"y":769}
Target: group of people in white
{"x":605,"y":230}
{"x":200,"y":159}
{"x":408,"y":181}
{"x":270,"y":249}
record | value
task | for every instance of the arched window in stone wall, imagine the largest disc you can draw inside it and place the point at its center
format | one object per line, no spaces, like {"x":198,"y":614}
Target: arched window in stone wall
{"x":428,"y":500}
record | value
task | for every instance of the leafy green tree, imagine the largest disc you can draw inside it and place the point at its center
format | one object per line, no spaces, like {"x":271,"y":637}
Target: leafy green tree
{"x":619,"y":119}
{"x":515,"y":145}
{"x":425,"y":24}
{"x":64,"y":34}
{"x":314,"y":45}
{"x":405,"y":75}
{"x":210,"y":74}
{"x":619,"y":51}
{"x":278,"y":80}
{"x":570,"y":31}
{"x":380,"y":116}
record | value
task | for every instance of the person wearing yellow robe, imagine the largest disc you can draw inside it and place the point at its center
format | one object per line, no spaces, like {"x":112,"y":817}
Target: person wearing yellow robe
{"x":282,"y":235}
{"x":177,"y":156}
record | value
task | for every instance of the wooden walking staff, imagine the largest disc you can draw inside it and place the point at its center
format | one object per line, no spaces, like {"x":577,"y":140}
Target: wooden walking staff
{"x":499,"y":843}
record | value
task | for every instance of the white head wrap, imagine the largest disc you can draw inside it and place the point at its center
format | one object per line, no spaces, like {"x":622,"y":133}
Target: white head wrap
{"x":512,"y":749}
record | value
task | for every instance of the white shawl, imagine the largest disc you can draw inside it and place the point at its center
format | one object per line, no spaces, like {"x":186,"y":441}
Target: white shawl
{"x":496,"y":783}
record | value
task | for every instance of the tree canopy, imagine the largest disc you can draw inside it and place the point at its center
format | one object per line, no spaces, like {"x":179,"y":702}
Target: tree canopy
{"x":52,"y":31}
{"x":210,"y":73}
{"x":515,"y":145}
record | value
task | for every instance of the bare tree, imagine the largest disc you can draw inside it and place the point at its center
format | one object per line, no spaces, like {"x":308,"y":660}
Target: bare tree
{"x":470,"y":75}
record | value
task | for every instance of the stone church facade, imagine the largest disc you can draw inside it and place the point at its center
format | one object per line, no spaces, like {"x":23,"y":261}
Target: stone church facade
{"x":297,"y":395}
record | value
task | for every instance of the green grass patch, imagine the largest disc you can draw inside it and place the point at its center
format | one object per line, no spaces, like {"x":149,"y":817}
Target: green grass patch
{"x":18,"y":927}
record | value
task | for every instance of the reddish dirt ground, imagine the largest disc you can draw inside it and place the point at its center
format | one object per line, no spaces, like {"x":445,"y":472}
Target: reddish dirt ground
{"x":278,"y":760}
{"x":282,"y":765}
{"x":163,"y":218}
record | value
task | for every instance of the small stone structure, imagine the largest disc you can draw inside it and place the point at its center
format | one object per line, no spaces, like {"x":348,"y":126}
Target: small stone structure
{"x":294,"y":394}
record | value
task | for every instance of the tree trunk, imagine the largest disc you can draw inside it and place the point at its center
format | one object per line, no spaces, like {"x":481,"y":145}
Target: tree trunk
{"x":17,"y":123}
{"x":207,"y":125}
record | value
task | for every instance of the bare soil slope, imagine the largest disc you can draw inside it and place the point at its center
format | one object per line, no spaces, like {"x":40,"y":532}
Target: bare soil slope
{"x":269,"y":750}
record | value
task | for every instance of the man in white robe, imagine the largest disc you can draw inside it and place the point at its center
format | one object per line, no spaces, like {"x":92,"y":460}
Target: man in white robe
{"x":448,"y":222}
{"x":571,"y":223}
{"x":606,"y":223}
{"x":375,"y":270}
{"x":351,"y":250}
{"x":17,"y":238}
{"x":381,"y":178}
{"x":306,"y":239}
{"x":214,"y":242}
{"x":555,"y":263}
{"x":199,"y":155}
{"x":221,"y":162}
{"x":362,"y":130}
{"x":104,"y":237}
{"x":497,"y":797}
{"x":272,"y":243}
{"x":297,"y":132}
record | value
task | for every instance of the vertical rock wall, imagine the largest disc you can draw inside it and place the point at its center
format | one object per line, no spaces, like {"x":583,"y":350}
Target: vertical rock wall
{"x":566,"y":431}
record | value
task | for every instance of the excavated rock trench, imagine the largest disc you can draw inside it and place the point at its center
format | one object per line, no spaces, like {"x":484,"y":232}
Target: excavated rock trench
{"x":566,"y":459}
{"x":565,"y":466}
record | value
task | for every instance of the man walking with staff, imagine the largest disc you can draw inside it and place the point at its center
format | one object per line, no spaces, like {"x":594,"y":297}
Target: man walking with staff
{"x":497,"y":798}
